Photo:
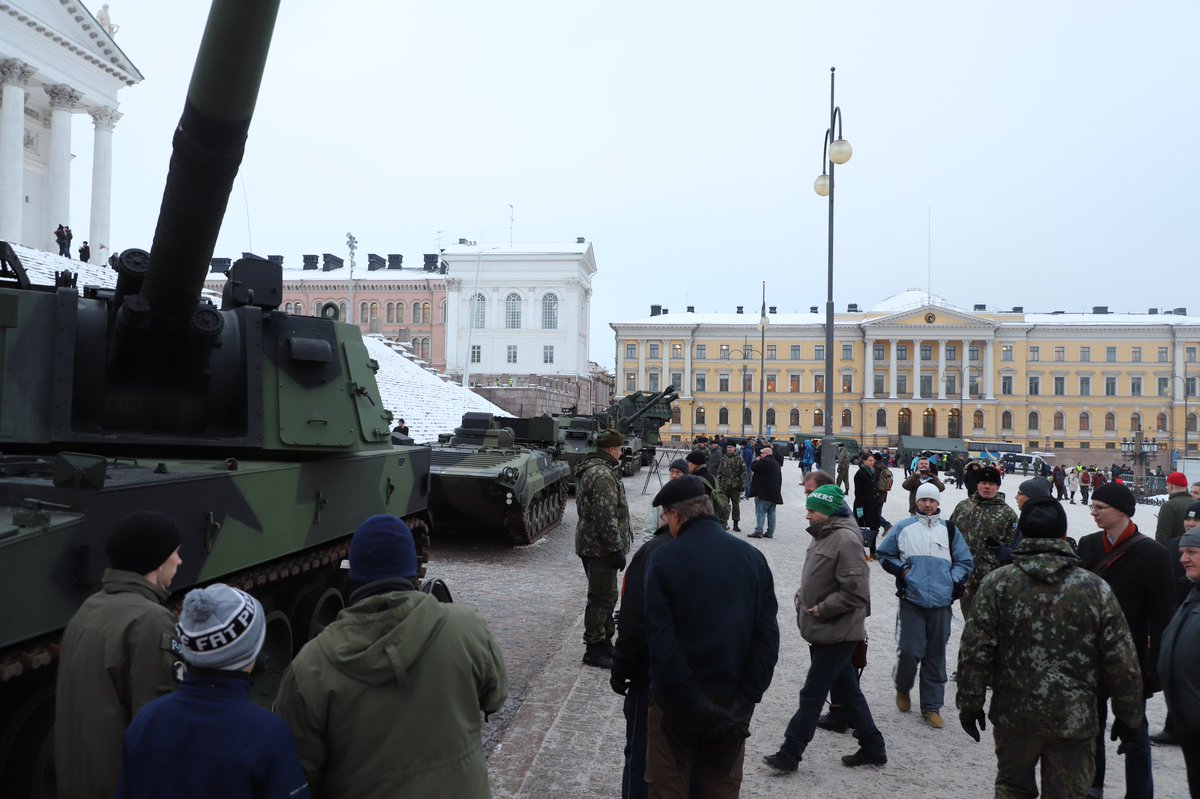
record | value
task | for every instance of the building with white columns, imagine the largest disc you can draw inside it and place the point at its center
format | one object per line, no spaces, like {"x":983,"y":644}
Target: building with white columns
{"x":56,"y":60}
{"x":916,"y":364}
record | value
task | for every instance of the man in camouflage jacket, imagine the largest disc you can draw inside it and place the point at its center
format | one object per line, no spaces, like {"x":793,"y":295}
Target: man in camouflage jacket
{"x":981,"y":516}
{"x":601,"y":542}
{"x":1047,"y":635}
{"x":731,"y":478}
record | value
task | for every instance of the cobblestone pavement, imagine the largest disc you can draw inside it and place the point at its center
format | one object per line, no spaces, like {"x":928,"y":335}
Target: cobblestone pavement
{"x":562,"y":732}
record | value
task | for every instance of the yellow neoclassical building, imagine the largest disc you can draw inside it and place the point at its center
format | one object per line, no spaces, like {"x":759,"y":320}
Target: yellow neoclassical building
{"x":918,"y":365}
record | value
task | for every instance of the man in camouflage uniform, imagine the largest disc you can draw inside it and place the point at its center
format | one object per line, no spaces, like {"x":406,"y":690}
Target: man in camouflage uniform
{"x":843,"y":468}
{"x":601,"y":542}
{"x":983,"y":516}
{"x":731,"y":478}
{"x":1047,"y":635}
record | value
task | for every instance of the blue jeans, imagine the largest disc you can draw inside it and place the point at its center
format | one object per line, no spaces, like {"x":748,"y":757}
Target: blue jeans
{"x":1139,"y":782}
{"x":764,"y":508}
{"x":829,"y":662}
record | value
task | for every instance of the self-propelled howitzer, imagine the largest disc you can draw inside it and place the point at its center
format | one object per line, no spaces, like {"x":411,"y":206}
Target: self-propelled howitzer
{"x":261,"y":433}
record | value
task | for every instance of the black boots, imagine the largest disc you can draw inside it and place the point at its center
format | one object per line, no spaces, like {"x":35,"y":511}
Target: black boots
{"x":599,"y":654}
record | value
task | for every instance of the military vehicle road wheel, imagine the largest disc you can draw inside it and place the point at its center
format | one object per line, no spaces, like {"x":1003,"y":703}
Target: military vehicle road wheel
{"x":313,"y":610}
{"x":273,"y":660}
{"x":27,"y":743}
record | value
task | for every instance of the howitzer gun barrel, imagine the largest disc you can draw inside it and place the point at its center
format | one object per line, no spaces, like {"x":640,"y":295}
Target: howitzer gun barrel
{"x":207,"y":151}
{"x":667,"y":393}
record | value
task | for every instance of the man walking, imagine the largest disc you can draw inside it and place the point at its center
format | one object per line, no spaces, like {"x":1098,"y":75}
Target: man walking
{"x":386,"y":700}
{"x":832,"y":603}
{"x":989,"y":526}
{"x":118,"y":653}
{"x":843,"y":469}
{"x":1138,"y":569}
{"x":766,"y":486}
{"x":601,"y":541}
{"x":732,"y":479}
{"x":1047,"y":636}
{"x":712,"y":652}
{"x":1174,"y":510}
{"x":931,"y":563}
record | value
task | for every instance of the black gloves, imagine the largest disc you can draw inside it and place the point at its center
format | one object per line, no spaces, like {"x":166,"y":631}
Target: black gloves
{"x":969,"y":720}
{"x":958,"y":590}
{"x":620,"y":682}
{"x":900,"y":571}
{"x":616,"y":560}
{"x":1128,"y":735}
{"x":1003,"y":552}
{"x":718,"y":723}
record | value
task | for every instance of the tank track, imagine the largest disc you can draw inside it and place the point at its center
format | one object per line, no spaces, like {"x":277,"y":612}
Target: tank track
{"x":45,"y":652}
{"x":544,"y":513}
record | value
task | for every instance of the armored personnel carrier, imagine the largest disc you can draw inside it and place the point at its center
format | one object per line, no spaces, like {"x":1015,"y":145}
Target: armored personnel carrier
{"x":262,"y":434}
{"x":482,"y":480}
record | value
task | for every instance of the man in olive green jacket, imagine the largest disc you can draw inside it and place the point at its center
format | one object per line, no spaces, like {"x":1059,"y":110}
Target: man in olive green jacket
{"x":385,"y":702}
{"x":118,"y":653}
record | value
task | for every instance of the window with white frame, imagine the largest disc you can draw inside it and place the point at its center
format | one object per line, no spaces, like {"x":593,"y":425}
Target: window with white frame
{"x":511,"y":353}
{"x":512,"y":311}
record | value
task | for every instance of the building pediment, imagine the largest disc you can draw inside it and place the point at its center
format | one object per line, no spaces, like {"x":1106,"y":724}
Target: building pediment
{"x":69,"y":25}
{"x":930,"y":318}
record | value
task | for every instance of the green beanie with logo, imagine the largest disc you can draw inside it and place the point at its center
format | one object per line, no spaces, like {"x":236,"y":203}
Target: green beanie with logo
{"x":827,"y":499}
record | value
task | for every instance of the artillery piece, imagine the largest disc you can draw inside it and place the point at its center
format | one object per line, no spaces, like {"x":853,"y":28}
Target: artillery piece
{"x":262,"y":434}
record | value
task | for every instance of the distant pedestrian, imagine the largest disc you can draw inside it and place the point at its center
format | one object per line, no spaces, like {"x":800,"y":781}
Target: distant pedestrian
{"x":1046,"y":636}
{"x":989,"y":526}
{"x":866,"y":500}
{"x":843,"y":469}
{"x":85,"y":253}
{"x":1173,"y":511}
{"x":712,"y":652}
{"x":60,"y":238}
{"x":118,"y":654}
{"x":68,"y":236}
{"x":766,"y":487}
{"x":923,"y":473}
{"x":731,"y":478}
{"x":748,"y":456}
{"x":1085,"y":486}
{"x":387,"y":699}
{"x":651,"y":525}
{"x":1072,"y":481}
{"x":831,"y":607}
{"x":208,"y":739}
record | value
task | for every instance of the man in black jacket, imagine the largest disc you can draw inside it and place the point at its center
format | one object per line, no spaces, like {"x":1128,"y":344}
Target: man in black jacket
{"x":766,"y":486}
{"x":1138,"y":569}
{"x":713,"y":637}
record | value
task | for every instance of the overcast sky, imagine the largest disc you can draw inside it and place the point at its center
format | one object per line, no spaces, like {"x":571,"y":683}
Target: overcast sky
{"x":1053,"y":145}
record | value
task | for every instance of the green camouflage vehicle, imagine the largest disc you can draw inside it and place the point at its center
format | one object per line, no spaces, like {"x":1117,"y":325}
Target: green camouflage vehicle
{"x":262,"y":434}
{"x":638,"y":416}
{"x":482,"y":480}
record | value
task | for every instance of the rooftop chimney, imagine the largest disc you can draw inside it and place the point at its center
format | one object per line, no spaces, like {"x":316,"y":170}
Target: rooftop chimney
{"x":656,"y":310}
{"x":462,"y":241}
{"x":852,"y":307}
{"x":1018,"y":309}
{"x":431,"y":262}
{"x":275,"y":259}
{"x":665,"y":311}
{"x":691,"y":309}
{"x":311,"y":262}
{"x":812,"y":309}
{"x":1181,"y":311}
{"x":580,"y":240}
{"x":979,"y":306}
{"x":771,"y":309}
{"x":1153,"y":312}
{"x":219,"y":265}
{"x":395,"y":261}
{"x":375,"y":262}
{"x":1099,"y":309}
{"x":739,"y":310}
{"x":330,"y":262}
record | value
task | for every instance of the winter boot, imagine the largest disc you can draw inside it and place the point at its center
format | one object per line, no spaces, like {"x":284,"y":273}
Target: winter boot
{"x":863,"y":758}
{"x":736,"y":529}
{"x":833,"y":723}
{"x":903,"y":703}
{"x":597,"y":655}
{"x":933,"y":719}
{"x":782,"y":761}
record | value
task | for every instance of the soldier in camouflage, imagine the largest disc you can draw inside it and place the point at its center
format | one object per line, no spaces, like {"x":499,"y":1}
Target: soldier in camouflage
{"x":843,"y":468}
{"x":601,"y":542}
{"x":731,"y":478}
{"x":1047,"y":635}
{"x":983,"y":516}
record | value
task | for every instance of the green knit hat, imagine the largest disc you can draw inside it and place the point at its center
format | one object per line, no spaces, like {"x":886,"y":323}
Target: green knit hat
{"x":827,"y":499}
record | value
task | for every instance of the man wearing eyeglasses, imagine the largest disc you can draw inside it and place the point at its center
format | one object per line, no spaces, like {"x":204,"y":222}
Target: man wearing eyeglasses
{"x":1138,"y":569}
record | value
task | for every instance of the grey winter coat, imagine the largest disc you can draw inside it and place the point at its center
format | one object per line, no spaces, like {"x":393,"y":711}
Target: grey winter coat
{"x":836,"y":581}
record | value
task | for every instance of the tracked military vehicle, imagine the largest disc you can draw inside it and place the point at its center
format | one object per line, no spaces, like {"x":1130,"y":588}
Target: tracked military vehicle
{"x":482,"y":480}
{"x":262,"y":434}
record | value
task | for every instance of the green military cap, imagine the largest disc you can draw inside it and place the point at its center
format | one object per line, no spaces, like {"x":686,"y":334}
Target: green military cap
{"x":609,"y":438}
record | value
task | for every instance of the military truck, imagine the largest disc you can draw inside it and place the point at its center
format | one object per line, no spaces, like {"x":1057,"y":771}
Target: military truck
{"x":482,"y":480}
{"x":261,"y":434}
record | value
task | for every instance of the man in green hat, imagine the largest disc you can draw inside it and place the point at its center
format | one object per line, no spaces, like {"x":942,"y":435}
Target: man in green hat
{"x":601,"y":542}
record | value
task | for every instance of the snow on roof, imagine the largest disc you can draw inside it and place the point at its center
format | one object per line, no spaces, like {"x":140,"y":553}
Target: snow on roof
{"x":361,"y":275}
{"x":912,"y":298}
{"x":428,"y":404}
{"x":1109,"y":319}
{"x":750,"y":319}
{"x":553,"y":248}
{"x":41,"y":266}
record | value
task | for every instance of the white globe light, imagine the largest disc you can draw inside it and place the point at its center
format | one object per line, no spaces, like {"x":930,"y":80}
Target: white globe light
{"x":821,"y":185}
{"x":840,"y":151}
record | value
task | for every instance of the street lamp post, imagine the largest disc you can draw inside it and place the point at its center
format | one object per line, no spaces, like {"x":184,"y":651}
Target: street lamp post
{"x":763,"y":321}
{"x":1141,"y":451}
{"x":1183,"y":378}
{"x":834,"y":151}
{"x":747,"y":352}
{"x":352,"y":246}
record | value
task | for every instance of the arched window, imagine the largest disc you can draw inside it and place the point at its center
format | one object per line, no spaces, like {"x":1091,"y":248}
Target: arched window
{"x":1135,"y":422}
{"x":699,"y":415}
{"x":1085,"y":422}
{"x":1006,"y":420}
{"x":1110,"y":423}
{"x":904,"y":422}
{"x":818,"y":419}
{"x":443,"y":312}
{"x":847,"y":418}
{"x":977,"y":420}
{"x":723,"y":416}
{"x":953,"y":424}
{"x":342,"y":312}
{"x":399,"y":313}
{"x":881,"y":418}
{"x":1034,"y":420}
{"x":770,"y":417}
{"x":929,"y":423}
{"x":1191,"y":423}
{"x":1060,"y":420}
{"x":512,"y":311}
{"x":1160,"y":425}
{"x":427,"y":316}
{"x":746,"y":417}
{"x":317,"y":307}
{"x":478,"y":313}
{"x":416,"y":347}
{"x":676,"y":414}
{"x":363,"y":310}
{"x":794,"y":418}
{"x":416,"y":313}
{"x":550,"y":312}
{"x":425,"y":348}
{"x":374,"y":310}
{"x":391,"y":313}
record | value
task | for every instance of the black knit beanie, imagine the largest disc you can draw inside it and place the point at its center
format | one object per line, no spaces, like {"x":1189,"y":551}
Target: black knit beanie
{"x":142,"y":541}
{"x":1042,"y":517}
{"x":1118,"y":496}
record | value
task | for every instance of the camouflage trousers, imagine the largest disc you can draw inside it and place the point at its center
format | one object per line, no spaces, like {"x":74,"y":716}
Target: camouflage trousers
{"x":843,"y":477}
{"x":601,"y":599}
{"x":734,"y":492}
{"x":1067,"y":766}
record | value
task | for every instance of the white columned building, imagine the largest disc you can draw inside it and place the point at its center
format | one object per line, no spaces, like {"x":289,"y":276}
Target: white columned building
{"x":56,"y":61}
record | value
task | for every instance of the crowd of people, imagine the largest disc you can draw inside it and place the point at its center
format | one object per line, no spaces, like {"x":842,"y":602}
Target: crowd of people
{"x":1061,"y":632}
